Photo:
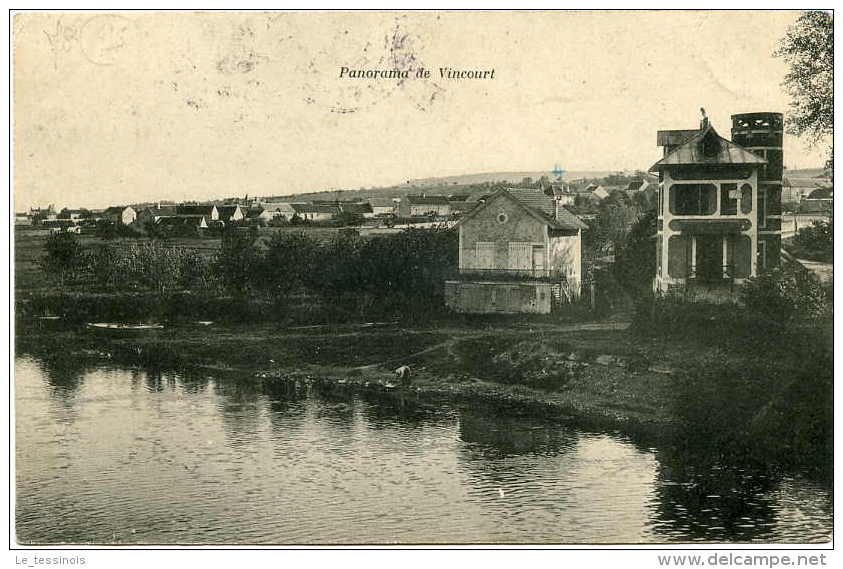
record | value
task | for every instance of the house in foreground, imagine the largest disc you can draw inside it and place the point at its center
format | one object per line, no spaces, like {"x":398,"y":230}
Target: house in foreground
{"x":519,"y":251}
{"x":719,"y":212}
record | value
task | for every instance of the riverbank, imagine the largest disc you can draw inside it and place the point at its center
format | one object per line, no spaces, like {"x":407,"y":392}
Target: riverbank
{"x":708,"y":389}
{"x":592,"y":372}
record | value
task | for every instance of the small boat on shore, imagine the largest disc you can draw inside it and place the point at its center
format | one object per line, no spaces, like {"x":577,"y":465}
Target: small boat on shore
{"x":122,"y":327}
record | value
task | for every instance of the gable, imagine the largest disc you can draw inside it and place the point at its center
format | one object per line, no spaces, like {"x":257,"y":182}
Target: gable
{"x":502,"y":219}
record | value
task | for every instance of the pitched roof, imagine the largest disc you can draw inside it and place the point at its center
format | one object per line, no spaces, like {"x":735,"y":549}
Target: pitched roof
{"x":427,"y":200}
{"x":707,"y":147}
{"x":114,"y":209}
{"x":226,"y":211}
{"x":537,"y":204}
{"x":181,"y":220}
{"x":801,"y":182}
{"x":357,"y":208}
{"x":315,"y":208}
{"x":163,"y":210}
{"x":381,"y":202}
{"x":253,"y":212}
{"x":535,"y":199}
{"x":674,"y":137}
{"x":821,"y":194}
{"x":195,"y":209}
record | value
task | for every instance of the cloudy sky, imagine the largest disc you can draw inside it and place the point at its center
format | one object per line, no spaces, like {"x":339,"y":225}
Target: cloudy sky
{"x":113,"y":109}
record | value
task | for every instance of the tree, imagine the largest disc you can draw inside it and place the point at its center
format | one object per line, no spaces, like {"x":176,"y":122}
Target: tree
{"x":239,"y":264}
{"x":64,"y":257}
{"x":808,"y":47}
{"x":615,"y":216}
{"x":290,"y":263}
{"x":635,"y":261}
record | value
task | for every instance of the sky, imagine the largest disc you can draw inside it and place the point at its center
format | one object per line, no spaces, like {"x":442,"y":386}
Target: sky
{"x":116,"y":108}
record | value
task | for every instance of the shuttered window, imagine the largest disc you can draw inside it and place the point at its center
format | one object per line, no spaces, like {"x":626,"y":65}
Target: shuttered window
{"x":520,"y":256}
{"x":484,"y":254}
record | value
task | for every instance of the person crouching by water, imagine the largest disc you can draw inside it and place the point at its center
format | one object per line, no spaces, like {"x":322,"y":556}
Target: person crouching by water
{"x":403,"y":374}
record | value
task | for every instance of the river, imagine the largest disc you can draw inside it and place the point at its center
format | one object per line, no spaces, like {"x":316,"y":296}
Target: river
{"x":116,"y":455}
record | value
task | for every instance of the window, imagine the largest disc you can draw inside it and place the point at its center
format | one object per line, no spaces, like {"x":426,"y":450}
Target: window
{"x":762,"y":208}
{"x":762,"y":255}
{"x":746,"y":198}
{"x":484,"y":255}
{"x":728,"y":199}
{"x":520,"y":256}
{"x":693,"y":199}
{"x":502,"y":217}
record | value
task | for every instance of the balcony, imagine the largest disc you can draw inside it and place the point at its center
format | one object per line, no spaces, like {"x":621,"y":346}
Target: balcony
{"x":543,"y":275}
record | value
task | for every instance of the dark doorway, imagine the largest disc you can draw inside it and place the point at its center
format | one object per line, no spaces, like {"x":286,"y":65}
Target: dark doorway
{"x":709,"y":257}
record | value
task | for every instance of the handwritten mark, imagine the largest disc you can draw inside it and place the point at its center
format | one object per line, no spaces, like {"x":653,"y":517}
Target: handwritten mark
{"x":106,"y":38}
{"x":61,"y":41}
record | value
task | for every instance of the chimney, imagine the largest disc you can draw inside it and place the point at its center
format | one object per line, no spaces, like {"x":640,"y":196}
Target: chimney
{"x":704,"y":119}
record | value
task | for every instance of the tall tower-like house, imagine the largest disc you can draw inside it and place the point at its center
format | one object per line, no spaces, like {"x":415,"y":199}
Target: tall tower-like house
{"x":762,"y":133}
{"x":717,"y":204}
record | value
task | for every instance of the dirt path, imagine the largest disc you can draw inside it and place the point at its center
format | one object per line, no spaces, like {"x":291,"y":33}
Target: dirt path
{"x":449,"y":344}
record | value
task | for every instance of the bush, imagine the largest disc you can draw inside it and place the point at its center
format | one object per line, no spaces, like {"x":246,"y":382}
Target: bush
{"x":111,"y":230}
{"x":817,"y":240}
{"x":784,"y":295}
{"x":757,"y":410}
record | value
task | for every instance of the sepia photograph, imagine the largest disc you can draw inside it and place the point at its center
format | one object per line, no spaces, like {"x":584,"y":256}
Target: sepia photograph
{"x":422,"y":278}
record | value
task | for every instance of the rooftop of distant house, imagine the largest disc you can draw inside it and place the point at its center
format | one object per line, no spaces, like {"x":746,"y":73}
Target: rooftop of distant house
{"x":427,"y":200}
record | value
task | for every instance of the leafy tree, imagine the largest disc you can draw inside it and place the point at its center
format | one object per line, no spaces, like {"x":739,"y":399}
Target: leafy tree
{"x":239,"y":264}
{"x":290,"y":262}
{"x":635,"y":261}
{"x":64,"y":259}
{"x":808,"y":47}
{"x":615,"y":216}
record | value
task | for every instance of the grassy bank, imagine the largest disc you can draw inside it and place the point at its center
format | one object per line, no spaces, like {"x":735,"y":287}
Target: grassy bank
{"x":444,"y":361}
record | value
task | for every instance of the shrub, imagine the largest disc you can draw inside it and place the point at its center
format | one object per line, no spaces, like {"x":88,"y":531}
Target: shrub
{"x":784,"y":295}
{"x":757,"y":410}
{"x":111,"y":230}
{"x":818,"y":238}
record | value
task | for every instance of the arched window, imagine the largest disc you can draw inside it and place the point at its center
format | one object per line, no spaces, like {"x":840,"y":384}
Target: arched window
{"x":746,"y":198}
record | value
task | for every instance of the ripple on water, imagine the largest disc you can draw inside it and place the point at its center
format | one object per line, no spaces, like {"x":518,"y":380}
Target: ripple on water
{"x":119,"y":456}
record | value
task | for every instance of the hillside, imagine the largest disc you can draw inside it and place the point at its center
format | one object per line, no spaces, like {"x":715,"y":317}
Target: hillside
{"x":442,"y":185}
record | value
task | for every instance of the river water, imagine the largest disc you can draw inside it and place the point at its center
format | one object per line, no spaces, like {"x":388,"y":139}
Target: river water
{"x":121,"y":455}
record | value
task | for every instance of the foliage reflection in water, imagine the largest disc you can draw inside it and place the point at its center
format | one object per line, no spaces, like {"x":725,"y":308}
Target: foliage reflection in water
{"x":119,"y":455}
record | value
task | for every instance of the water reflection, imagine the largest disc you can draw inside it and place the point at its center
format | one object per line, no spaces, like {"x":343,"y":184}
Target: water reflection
{"x":158,"y":456}
{"x":705,"y":501}
{"x":496,"y":436}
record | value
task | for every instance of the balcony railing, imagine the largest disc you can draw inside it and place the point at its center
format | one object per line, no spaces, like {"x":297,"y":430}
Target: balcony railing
{"x":727,"y":273}
{"x":554,"y":275}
